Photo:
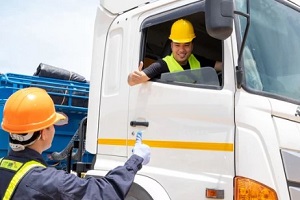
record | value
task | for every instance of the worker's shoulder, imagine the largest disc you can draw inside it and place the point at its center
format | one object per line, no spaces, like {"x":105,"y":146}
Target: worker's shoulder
{"x":43,"y":183}
{"x":48,"y":174}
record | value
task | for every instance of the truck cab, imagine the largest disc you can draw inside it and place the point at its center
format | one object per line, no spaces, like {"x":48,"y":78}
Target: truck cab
{"x":229,"y":134}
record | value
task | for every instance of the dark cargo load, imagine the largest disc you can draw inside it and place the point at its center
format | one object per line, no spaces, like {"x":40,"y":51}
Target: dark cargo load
{"x":45,"y":70}
{"x":60,"y":95}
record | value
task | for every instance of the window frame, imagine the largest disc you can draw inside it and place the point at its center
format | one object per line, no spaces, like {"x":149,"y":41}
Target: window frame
{"x":167,"y":17}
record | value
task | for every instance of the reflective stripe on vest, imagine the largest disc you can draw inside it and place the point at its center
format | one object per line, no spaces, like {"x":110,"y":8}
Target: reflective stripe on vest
{"x":174,"y":66}
{"x":20,"y":169}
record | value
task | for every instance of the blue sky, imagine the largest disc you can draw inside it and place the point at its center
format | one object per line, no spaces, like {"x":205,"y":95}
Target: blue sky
{"x":55,"y":32}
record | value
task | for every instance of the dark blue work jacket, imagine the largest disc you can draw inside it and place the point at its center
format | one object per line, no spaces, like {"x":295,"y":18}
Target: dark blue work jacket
{"x":50,"y":183}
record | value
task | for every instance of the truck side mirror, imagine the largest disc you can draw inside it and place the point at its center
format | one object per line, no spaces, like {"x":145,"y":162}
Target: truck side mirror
{"x":219,"y":18}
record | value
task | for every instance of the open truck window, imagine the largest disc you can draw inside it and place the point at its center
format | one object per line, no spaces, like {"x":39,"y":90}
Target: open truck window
{"x":156,"y":45}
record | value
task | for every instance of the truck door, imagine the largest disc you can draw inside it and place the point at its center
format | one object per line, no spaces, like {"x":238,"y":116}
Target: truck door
{"x":114,"y":93}
{"x":189,"y":125}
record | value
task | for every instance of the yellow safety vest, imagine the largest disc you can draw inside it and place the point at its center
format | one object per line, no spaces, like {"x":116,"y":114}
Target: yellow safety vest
{"x":174,"y":66}
{"x":21,"y":169}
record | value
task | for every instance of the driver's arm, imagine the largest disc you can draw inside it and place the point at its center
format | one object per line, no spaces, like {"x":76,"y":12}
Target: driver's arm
{"x":218,"y":66}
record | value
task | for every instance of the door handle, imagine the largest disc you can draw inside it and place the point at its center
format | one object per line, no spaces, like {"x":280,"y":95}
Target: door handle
{"x":136,"y":123}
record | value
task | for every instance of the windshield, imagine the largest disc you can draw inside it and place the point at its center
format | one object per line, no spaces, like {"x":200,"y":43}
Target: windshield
{"x":272,"y":49}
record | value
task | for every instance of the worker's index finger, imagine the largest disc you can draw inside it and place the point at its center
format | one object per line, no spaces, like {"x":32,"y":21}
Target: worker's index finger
{"x":139,"y":136}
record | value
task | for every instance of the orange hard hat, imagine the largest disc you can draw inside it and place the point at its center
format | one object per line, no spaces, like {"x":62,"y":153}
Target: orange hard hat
{"x":29,"y":110}
{"x":182,"y":31}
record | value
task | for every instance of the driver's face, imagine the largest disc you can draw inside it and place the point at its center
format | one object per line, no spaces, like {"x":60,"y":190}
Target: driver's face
{"x":181,"y":51}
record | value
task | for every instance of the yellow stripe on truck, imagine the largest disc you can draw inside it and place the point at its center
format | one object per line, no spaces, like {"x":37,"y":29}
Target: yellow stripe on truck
{"x":212,"y":146}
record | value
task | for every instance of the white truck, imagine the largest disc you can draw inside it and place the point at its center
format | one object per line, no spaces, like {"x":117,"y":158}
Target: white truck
{"x":229,"y":135}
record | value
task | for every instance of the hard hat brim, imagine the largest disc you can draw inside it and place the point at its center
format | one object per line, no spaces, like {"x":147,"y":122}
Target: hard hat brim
{"x":61,"y":119}
{"x":182,"y":41}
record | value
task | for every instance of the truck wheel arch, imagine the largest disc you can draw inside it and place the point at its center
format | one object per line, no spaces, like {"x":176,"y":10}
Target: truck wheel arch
{"x":143,"y":187}
{"x":143,"y":184}
{"x":137,"y":192}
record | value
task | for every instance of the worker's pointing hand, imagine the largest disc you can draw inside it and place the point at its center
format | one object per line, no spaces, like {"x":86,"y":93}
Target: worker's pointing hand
{"x":138,"y":139}
{"x":141,"y":150}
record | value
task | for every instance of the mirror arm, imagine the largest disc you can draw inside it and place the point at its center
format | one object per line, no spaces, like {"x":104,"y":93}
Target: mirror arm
{"x":239,"y":70}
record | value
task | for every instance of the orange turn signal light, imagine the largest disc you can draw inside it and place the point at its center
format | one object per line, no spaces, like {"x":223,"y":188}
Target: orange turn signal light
{"x":214,"y":193}
{"x":246,"y":188}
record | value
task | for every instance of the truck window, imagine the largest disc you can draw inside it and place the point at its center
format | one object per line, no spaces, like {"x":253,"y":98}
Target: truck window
{"x":207,"y":50}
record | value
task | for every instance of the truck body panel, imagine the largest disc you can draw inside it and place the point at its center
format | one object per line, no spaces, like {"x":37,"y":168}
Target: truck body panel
{"x":203,"y":136}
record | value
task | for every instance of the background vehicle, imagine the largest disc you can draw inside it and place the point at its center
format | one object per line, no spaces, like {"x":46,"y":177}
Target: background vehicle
{"x":235,"y":138}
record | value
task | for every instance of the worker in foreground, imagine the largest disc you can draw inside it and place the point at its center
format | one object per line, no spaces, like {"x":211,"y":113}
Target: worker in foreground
{"x":29,"y":117}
